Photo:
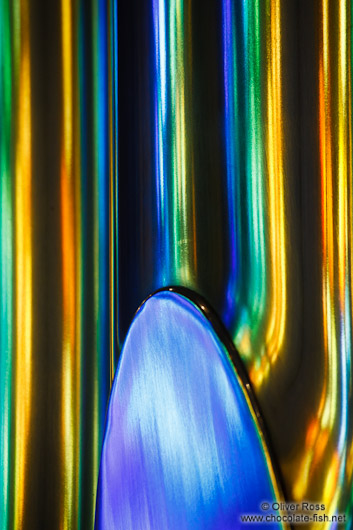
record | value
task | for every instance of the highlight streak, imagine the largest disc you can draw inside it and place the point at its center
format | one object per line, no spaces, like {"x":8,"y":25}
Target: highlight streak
{"x":233,"y":132}
{"x":180,"y":235}
{"x":100,"y":113}
{"x":255,"y":175}
{"x":276,"y":325}
{"x":176,"y":221}
{"x":6,"y":257}
{"x":161,"y":152}
{"x":326,"y":444}
{"x":70,"y":393}
{"x":255,"y":169}
{"x":23,"y":269}
{"x":113,"y":183}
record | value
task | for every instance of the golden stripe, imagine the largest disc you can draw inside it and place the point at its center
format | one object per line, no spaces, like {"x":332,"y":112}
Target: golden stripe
{"x":23,"y":220}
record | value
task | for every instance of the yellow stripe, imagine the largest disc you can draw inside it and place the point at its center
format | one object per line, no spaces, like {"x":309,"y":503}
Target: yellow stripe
{"x":277,"y":238}
{"x":71,"y":285}
{"x":23,"y":383}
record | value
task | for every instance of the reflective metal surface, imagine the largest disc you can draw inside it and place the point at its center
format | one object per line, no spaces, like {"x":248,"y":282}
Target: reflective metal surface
{"x":323,"y":467}
{"x":235,"y":180}
{"x":183,"y":447}
{"x":55,"y":137}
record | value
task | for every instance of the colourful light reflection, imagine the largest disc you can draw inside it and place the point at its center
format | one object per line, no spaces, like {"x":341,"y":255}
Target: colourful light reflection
{"x":54,"y":240}
{"x":256,"y":313}
{"x":326,"y":451}
{"x":6,"y":245}
{"x":182,"y":446}
{"x":232,"y":136}
{"x":270,"y":295}
{"x":173,"y":144}
{"x":71,"y":351}
{"x":100,"y":388}
{"x":277,"y":214}
{"x":85,"y":366}
{"x":23,"y":267}
{"x":113,"y":184}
